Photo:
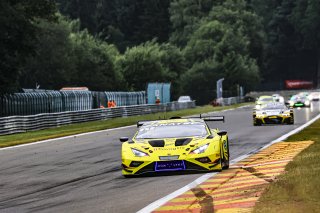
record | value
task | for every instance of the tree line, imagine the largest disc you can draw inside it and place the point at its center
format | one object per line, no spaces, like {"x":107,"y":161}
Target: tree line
{"x":122,"y":45}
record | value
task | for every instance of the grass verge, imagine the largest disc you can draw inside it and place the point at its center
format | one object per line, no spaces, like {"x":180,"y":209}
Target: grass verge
{"x":297,"y":190}
{"x":33,"y":136}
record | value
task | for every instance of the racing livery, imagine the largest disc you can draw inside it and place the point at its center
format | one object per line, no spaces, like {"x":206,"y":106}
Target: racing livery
{"x":273,"y":113}
{"x":178,"y":144}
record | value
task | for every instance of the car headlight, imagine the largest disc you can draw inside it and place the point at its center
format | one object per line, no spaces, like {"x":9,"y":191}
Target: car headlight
{"x":286,"y":113}
{"x":139,"y":153}
{"x":200,"y":149}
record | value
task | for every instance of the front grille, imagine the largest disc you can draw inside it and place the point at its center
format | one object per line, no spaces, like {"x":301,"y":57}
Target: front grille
{"x":172,"y":157}
{"x":273,"y":120}
{"x":157,"y":143}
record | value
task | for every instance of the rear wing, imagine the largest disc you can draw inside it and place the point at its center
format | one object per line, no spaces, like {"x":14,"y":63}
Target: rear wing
{"x":205,"y":118}
{"x":214,"y":118}
{"x":211,"y":117}
{"x":140,"y":123}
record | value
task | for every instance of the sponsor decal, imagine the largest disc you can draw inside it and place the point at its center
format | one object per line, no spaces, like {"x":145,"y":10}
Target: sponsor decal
{"x":298,"y":84}
{"x":225,"y":145}
{"x":168,"y":148}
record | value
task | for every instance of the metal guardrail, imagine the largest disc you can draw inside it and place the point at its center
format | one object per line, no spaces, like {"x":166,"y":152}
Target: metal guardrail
{"x":18,"y":124}
{"x":229,"y":101}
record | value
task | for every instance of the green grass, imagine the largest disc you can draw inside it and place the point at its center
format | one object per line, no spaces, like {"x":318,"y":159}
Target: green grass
{"x":297,"y":190}
{"x":32,"y":136}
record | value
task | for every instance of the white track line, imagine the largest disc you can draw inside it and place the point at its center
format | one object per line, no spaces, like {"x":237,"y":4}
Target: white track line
{"x":66,"y":137}
{"x":78,"y":135}
{"x":153,"y":206}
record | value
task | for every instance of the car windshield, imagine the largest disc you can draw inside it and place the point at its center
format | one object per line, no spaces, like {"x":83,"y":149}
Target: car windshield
{"x":294,"y":98}
{"x":172,"y":130}
{"x":266,"y":99}
{"x":274,"y":107}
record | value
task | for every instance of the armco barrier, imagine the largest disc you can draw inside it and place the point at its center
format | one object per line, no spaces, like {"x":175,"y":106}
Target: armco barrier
{"x":17,"y":124}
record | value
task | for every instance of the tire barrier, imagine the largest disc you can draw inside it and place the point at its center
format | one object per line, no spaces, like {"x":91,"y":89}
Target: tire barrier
{"x":18,"y":124}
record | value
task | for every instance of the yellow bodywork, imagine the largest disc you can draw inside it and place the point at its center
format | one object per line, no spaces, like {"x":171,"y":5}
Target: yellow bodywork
{"x":265,"y":117}
{"x":171,"y":153}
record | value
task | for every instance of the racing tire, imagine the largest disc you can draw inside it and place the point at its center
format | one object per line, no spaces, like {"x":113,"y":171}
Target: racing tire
{"x":291,"y":121}
{"x":225,"y":162}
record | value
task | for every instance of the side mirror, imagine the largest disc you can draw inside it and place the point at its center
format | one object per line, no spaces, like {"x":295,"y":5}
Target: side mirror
{"x":124,"y":139}
{"x":222,"y":133}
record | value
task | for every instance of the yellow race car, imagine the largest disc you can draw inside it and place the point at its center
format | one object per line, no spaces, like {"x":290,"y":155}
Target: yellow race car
{"x":178,"y":144}
{"x":273,"y":113}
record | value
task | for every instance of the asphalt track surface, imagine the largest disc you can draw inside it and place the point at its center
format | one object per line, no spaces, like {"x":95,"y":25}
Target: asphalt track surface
{"x":83,"y":174}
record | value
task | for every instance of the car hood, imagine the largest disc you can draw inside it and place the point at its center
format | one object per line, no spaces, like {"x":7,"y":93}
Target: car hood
{"x":169,"y":146}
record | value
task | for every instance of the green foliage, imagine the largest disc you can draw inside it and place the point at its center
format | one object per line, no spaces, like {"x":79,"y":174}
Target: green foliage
{"x":51,"y":66}
{"x":185,"y":16}
{"x":145,"y":63}
{"x":222,"y":47}
{"x":18,"y":36}
{"x":66,"y":56}
{"x":292,"y":46}
{"x":94,"y":62}
{"x":236,"y":15}
{"x":124,"y":23}
{"x":306,"y":19}
{"x":199,"y":81}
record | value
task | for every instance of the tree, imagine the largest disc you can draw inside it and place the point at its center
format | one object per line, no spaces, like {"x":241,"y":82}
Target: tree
{"x":143,"y":64}
{"x":222,"y":47}
{"x":68,"y":56}
{"x":174,"y":61}
{"x":200,"y":81}
{"x":237,"y":15}
{"x":185,"y":16}
{"x":52,"y":65}
{"x":85,"y":11}
{"x":306,"y":19}
{"x":95,"y":63}
{"x":18,"y":36}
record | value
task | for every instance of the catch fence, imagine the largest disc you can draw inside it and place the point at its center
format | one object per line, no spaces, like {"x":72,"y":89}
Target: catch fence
{"x":33,"y":102}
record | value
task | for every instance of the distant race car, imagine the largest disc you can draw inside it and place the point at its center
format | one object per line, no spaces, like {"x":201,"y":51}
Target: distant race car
{"x":178,"y":144}
{"x":314,"y":96}
{"x":299,"y":101}
{"x":183,"y":99}
{"x":262,"y":100}
{"x":273,"y":113}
